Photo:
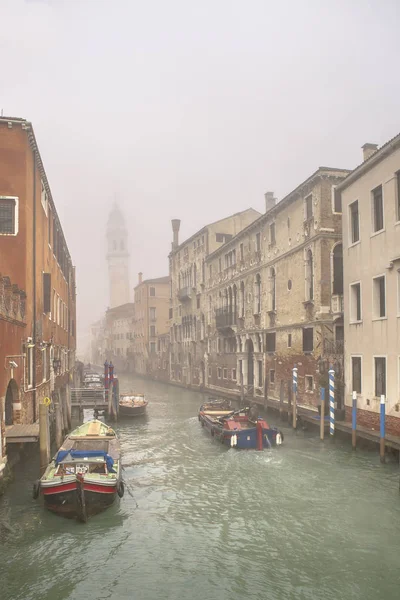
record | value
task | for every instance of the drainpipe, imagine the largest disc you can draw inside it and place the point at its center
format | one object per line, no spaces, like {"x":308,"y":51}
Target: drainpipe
{"x":34,"y":286}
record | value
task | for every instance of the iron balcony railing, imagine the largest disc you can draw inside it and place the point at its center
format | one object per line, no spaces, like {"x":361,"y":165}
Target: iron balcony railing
{"x":335,"y":347}
{"x":224,"y":318}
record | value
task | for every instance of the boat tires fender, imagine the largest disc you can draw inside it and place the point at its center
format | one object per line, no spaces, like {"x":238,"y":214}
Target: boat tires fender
{"x":120,"y":489}
{"x":36,"y":489}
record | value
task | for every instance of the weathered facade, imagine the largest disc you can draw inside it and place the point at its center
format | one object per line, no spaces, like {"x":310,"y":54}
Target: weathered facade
{"x":150,"y":321}
{"x":188,"y":309}
{"x":118,"y":335}
{"x":275,"y":298}
{"x":370,"y":198}
{"x":37,"y":289}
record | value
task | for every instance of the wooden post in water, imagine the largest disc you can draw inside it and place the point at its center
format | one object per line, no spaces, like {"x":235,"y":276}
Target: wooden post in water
{"x":44,"y":446}
{"x":382,"y":440}
{"x":281,"y":394}
{"x":354,"y":421}
{"x":58,"y":416}
{"x":322,"y":424}
{"x":294,"y":397}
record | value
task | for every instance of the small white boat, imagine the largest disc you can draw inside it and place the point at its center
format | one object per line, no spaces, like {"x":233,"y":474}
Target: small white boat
{"x":132,"y":405}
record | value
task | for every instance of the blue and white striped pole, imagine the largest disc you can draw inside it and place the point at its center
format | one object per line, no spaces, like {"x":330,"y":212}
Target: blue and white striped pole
{"x":294,"y":397}
{"x":354,"y":421}
{"x":382,"y":440}
{"x":322,"y":421}
{"x":331,"y":401}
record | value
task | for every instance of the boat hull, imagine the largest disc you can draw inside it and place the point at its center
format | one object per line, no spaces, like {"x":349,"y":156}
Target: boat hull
{"x":243,"y":439}
{"x":63,"y":499}
{"x":132,"y":411}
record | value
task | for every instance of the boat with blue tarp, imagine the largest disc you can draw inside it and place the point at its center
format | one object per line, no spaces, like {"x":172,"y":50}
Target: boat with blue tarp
{"x":241,"y":429}
{"x":84,"y":476}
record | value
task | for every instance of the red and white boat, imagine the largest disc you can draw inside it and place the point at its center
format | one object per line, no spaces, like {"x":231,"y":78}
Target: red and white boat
{"x":84,"y":477}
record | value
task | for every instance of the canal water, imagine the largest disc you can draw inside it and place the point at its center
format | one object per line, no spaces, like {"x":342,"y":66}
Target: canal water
{"x":303,"y":521}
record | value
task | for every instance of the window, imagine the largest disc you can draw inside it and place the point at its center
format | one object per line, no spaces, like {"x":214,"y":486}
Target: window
{"x":260,"y":373}
{"x":44,"y":363}
{"x":170,"y":313}
{"x":152,"y":330}
{"x":380,"y":375}
{"x":257,"y":295}
{"x":47,"y":293}
{"x":225,"y":373}
{"x":338,"y":269}
{"x":355,"y":303}
{"x":58,"y":310}
{"x":308,"y":207}
{"x":152,"y":347}
{"x":272,"y":376}
{"x":377,"y":209}
{"x":398,"y":196}
{"x":379,"y":299}
{"x":8,"y":215}
{"x":234,"y":374}
{"x":241,"y":300}
{"x":356,"y":374}
{"x":210,"y":271}
{"x":308,"y":339}
{"x":258,"y":242}
{"x":354,"y":223}
{"x":50,"y":220}
{"x":336,"y":200}
{"x":272,"y":239}
{"x":289,"y":340}
{"x":241,"y":252}
{"x":152,"y":313}
{"x":220,"y":265}
{"x":198,"y":301}
{"x":44,"y":198}
{"x":30,"y":365}
{"x":309,"y":383}
{"x":210,"y":371}
{"x":219,"y":372}
{"x":219,"y":237}
{"x":270,"y":342}
{"x":152,"y":291}
{"x":309,"y":276}
{"x":272,"y":289}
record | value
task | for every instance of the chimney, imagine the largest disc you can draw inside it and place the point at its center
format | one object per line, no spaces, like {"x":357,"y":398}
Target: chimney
{"x":140,"y":276}
{"x":176,"y":223}
{"x":270,"y":201}
{"x":368,"y":150}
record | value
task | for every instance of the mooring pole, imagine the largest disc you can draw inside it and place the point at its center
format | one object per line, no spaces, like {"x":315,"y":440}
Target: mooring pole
{"x":44,"y":446}
{"x":331,"y":401}
{"x":294,"y":397}
{"x":322,"y":424}
{"x":382,"y":440}
{"x":111,"y":391}
{"x":354,"y":421}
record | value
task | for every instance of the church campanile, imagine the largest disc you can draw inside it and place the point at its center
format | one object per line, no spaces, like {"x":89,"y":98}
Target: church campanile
{"x":118,"y":258}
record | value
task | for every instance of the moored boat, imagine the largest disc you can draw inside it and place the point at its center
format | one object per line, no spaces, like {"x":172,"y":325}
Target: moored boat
{"x":239,"y":429}
{"x":84,"y":476}
{"x":132,"y":405}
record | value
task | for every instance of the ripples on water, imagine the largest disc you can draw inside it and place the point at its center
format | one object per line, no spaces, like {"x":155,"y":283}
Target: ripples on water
{"x":304,"y":521}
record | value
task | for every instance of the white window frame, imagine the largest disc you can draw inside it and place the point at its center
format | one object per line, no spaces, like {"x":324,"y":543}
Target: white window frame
{"x":234,"y":374}
{"x":291,"y":340}
{"x":224,"y":371}
{"x":362,"y":373}
{"x":44,"y":198}
{"x":29,"y":355}
{"x":307,"y":390}
{"x":351,"y":243}
{"x":16,"y":215}
{"x":305,"y":207}
{"x":219,"y":372}
{"x":374,"y":374}
{"x":334,"y":212}
{"x":269,"y":376}
{"x":374,"y":312}
{"x":44,"y":363}
{"x":373,"y":232}
{"x":351,"y":320}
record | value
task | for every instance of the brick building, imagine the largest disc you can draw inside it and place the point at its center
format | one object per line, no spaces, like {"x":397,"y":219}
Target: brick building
{"x":370,"y":198}
{"x":37,"y":289}
{"x":274,"y":297}
{"x":150,"y":321}
{"x":188,"y":308}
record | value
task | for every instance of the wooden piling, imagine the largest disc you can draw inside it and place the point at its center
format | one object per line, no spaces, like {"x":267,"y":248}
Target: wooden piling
{"x":354,"y":421}
{"x":58,"y":419}
{"x":322,"y":423}
{"x":44,"y":445}
{"x":281,"y":394}
{"x":382,"y":430}
{"x":294,"y":397}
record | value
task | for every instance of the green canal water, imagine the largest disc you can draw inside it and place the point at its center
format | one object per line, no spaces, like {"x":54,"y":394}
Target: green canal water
{"x":303,"y":521}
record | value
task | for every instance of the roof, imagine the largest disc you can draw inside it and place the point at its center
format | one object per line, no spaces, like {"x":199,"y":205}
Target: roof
{"x":28,"y":127}
{"x":204,"y":229}
{"x":368,"y":164}
{"x":165,"y":279}
{"x":299,"y":190}
{"x":122,"y":309}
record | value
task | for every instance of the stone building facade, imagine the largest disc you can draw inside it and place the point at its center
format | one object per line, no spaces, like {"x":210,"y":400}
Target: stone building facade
{"x":37,"y":287}
{"x":370,"y":198}
{"x":275,"y":297}
{"x":151,"y":311}
{"x":188,"y":310}
{"x":118,"y":335}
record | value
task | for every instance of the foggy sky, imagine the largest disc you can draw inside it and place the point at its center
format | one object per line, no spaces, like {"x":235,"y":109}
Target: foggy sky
{"x":191,"y":110}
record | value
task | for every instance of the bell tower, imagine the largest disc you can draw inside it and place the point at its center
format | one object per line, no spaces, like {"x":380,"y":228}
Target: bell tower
{"x":118,"y":258}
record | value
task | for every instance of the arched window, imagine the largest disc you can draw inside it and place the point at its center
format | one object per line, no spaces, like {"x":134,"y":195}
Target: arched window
{"x":241,"y":301}
{"x":272,"y":289}
{"x":309,"y":276}
{"x":338,"y":269}
{"x":194,"y":275}
{"x":257,"y":295}
{"x":209,"y":310}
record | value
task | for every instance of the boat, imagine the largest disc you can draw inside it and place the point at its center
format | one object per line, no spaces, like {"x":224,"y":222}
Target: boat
{"x":216,"y":407}
{"x":84,"y":476}
{"x":132,"y":405}
{"x":240,"y":429}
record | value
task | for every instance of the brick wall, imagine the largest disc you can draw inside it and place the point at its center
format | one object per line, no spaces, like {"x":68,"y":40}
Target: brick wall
{"x":370,"y":419}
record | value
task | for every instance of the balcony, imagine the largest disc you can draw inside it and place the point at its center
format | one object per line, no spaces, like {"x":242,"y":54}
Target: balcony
{"x":224,"y":318}
{"x":334,"y":347}
{"x":337,"y":304}
{"x":185,"y":293}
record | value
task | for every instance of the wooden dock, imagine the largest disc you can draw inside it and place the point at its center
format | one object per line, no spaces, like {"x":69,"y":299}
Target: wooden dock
{"x":20,"y":434}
